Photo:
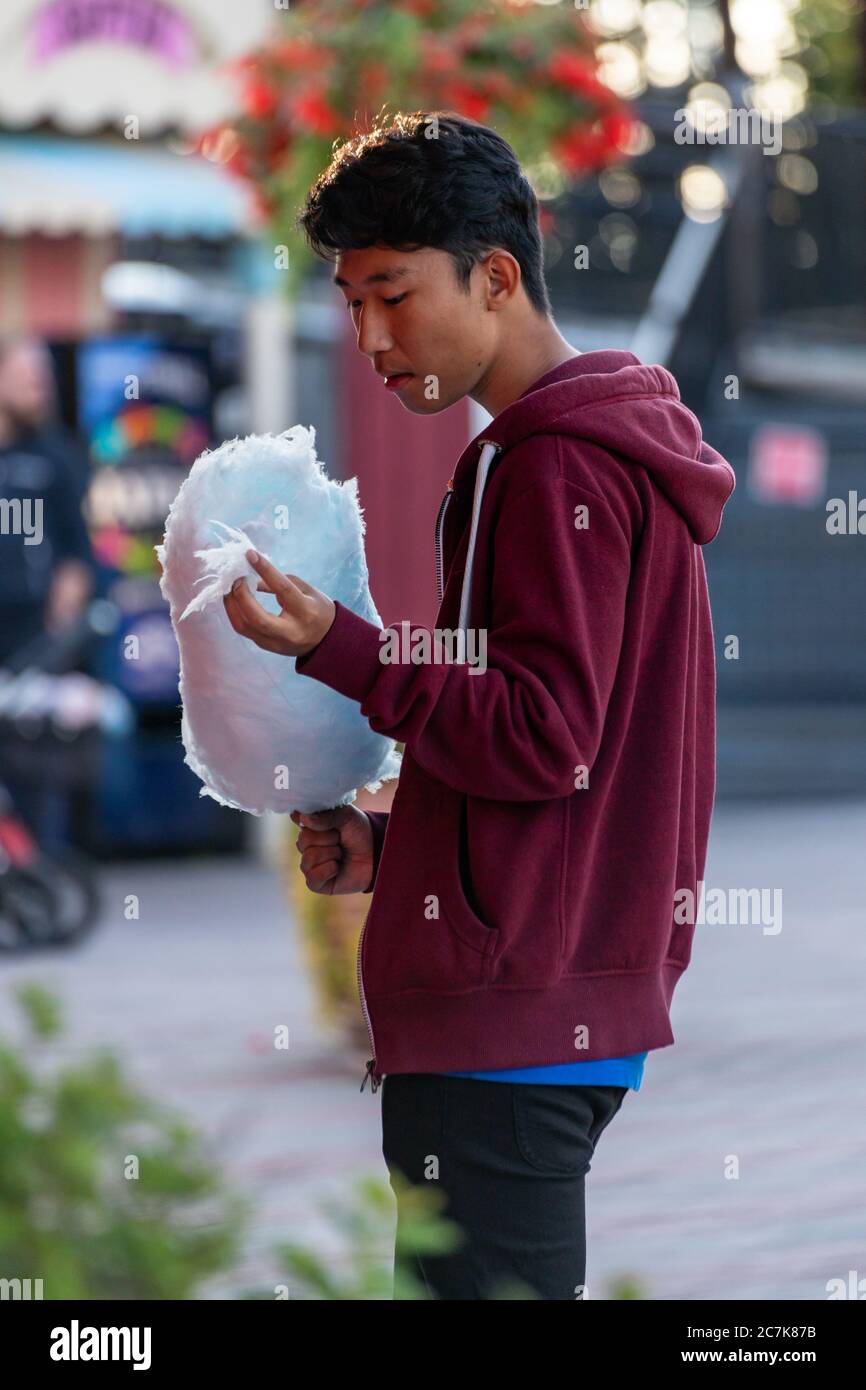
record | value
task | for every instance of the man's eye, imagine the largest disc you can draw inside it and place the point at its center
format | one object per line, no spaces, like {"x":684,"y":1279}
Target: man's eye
{"x":354,"y":303}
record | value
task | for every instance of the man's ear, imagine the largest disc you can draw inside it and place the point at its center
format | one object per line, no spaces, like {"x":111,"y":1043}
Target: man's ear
{"x":503,"y":278}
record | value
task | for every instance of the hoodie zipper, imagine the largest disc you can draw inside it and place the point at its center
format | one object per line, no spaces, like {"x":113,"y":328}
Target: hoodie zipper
{"x":443,"y":507}
{"x":370,"y":1073}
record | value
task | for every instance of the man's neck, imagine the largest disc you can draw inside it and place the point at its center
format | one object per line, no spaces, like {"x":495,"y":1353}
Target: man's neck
{"x":508,"y":378}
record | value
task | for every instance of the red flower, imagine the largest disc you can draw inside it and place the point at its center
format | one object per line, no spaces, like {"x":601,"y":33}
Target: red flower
{"x":584,"y":147}
{"x":279,"y":140}
{"x":259,"y":100}
{"x":617,"y":128}
{"x":577,"y":75}
{"x":466,"y":100}
{"x":315,"y":114}
{"x":578,"y":149}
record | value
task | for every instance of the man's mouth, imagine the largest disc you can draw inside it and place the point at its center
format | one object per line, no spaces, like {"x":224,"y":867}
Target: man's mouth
{"x":394,"y":383}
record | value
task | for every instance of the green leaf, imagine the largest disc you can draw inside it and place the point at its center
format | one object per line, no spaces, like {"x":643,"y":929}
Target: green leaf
{"x":41,"y":1009}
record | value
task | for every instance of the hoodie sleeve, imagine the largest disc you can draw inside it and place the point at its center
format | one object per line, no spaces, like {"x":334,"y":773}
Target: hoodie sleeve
{"x":518,"y":730}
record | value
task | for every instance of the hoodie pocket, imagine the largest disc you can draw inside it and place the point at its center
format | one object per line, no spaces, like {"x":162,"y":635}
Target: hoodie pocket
{"x":513,"y":862}
{"x":457,"y":903}
{"x":423,"y":931}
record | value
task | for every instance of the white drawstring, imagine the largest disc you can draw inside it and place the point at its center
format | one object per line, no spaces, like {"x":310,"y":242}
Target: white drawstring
{"x":487,"y":454}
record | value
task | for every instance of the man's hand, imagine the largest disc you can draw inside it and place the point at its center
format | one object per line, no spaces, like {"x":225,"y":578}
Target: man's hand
{"x":336,"y":850}
{"x":306,"y":615}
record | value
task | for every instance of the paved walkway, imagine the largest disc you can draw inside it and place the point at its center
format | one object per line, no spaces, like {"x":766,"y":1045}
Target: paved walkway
{"x":767,"y":1066}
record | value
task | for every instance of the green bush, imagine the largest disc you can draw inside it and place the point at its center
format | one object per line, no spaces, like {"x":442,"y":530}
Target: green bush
{"x":103,"y":1193}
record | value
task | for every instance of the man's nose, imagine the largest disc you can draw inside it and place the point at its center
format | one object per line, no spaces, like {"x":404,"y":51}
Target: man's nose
{"x":373,"y":334}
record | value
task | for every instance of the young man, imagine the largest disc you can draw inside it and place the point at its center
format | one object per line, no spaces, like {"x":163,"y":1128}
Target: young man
{"x":527,"y":928}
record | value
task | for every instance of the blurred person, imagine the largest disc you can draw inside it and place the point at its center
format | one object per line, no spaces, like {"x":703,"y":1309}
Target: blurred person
{"x":37,"y":408}
{"x":527,"y":930}
{"x":46,"y":576}
{"x":47,"y":569}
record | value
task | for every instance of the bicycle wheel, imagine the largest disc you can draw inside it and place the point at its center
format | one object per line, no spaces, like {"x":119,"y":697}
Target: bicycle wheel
{"x":27,"y":908}
{"x":75,"y":900}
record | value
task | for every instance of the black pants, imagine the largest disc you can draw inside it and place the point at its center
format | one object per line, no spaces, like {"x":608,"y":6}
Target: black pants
{"x":510,"y":1161}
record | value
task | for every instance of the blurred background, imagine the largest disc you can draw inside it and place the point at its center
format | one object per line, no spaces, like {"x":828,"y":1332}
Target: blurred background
{"x":154,"y":300}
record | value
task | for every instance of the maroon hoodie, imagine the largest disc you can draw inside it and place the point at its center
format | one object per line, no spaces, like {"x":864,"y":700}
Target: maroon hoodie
{"x":552,"y":802}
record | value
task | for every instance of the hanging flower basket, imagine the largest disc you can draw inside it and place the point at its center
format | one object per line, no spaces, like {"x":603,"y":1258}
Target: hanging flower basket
{"x":526,"y":69}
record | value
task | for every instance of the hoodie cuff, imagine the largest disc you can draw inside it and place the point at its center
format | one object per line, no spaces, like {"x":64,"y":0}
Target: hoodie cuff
{"x":347,"y":658}
{"x":379,"y":823}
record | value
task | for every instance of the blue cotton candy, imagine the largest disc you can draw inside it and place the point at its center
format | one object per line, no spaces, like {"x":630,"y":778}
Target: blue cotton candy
{"x":261,"y":737}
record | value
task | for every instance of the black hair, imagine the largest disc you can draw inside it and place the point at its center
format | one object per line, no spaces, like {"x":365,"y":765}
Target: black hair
{"x":429,"y":179}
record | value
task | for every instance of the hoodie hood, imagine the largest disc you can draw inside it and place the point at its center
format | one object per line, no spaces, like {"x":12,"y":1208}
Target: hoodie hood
{"x":613,"y":400}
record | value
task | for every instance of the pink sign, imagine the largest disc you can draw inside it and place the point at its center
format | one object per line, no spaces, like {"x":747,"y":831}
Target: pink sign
{"x":788,"y":464}
{"x":142,"y":23}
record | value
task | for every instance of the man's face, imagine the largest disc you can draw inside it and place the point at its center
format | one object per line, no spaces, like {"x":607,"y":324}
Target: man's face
{"x":26,"y":383}
{"x":418,"y":320}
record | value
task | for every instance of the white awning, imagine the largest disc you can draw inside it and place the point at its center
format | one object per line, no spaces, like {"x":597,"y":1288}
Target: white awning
{"x":87,"y":64}
{"x":58,"y":185}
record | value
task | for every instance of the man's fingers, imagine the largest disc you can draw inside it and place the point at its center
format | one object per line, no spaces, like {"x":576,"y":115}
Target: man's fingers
{"x":319,"y":839}
{"x":271,"y":583}
{"x":279,"y":584}
{"x":234,"y":616}
{"x":318,"y":877}
{"x":316,"y":858}
{"x":255,"y":632}
{"x":302,"y":584}
{"x":256,"y":620}
{"x":247,"y":605}
{"x":237,"y":614}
